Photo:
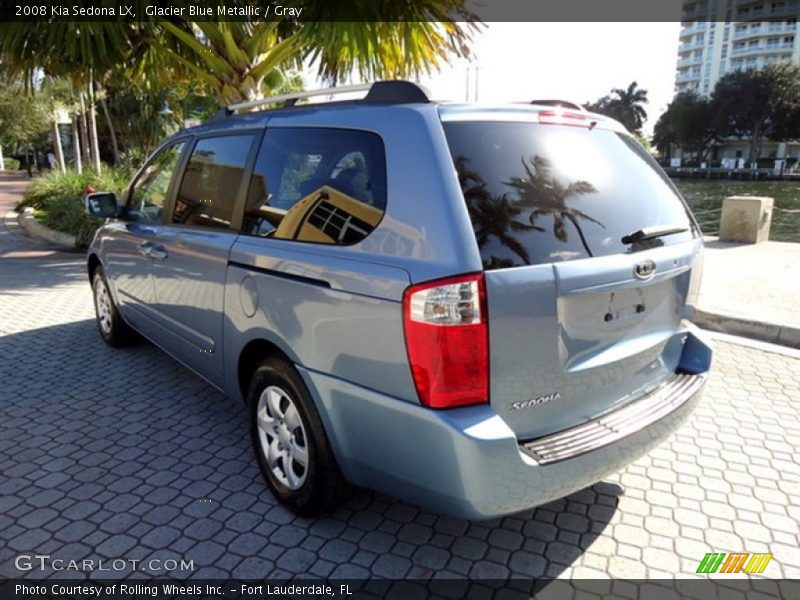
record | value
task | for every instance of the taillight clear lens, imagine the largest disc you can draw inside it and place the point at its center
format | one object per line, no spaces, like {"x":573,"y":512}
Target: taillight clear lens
{"x":448,"y":341}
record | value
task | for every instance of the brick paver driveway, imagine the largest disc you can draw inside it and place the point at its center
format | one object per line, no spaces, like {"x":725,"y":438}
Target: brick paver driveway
{"x":126,"y":455}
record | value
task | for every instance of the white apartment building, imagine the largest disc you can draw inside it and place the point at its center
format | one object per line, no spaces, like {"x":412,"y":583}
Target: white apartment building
{"x":720,"y":36}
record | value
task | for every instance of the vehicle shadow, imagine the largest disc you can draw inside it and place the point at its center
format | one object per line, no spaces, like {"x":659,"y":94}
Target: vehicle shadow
{"x":126,"y":454}
{"x":715,"y":243}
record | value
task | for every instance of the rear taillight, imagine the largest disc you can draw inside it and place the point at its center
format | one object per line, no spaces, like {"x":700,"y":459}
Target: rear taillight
{"x":448,"y":340}
{"x":563,"y":117}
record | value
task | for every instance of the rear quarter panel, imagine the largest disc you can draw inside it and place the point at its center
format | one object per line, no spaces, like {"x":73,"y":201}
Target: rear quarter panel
{"x":352,"y":330}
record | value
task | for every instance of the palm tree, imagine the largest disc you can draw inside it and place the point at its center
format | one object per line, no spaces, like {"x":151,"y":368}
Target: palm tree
{"x":235,"y":61}
{"x":631,"y":103}
{"x":241,"y":61}
{"x":84,"y":53}
{"x":624,"y":105}
{"x":544,"y":194}
{"x":492,"y":216}
{"x":388,"y":40}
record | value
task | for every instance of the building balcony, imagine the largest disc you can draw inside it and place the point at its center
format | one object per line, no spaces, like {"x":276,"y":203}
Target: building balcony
{"x":750,"y":32}
{"x":764,"y":29}
{"x":787,"y":10}
{"x":688,"y":47}
{"x":763,"y":49}
{"x":688,"y":76}
{"x":692,"y":28}
{"x":689,"y":61}
{"x":778,"y":28}
{"x":765,"y":10}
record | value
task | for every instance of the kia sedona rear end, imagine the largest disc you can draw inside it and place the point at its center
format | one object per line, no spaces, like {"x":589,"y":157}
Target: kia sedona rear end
{"x":568,"y":355}
{"x":474,"y":309}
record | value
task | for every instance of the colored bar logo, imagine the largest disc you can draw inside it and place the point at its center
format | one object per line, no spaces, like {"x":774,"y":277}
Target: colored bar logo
{"x":720,"y":562}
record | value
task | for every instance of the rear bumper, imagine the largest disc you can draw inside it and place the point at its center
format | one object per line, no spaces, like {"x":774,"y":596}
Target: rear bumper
{"x":468,"y":463}
{"x":616,"y":425}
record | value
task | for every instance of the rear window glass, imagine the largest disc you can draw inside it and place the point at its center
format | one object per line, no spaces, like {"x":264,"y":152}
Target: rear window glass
{"x":548,"y":193}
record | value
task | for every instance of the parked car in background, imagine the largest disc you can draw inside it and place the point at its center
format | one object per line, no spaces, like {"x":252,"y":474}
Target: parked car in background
{"x":475,"y":309}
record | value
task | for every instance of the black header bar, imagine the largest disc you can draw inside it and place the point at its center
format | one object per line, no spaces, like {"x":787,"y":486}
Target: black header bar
{"x":391,"y":10}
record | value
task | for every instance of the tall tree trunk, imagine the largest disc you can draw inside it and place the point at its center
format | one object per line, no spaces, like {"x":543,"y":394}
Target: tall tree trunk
{"x":57,"y":147}
{"x":85,"y":148}
{"x":114,"y":144}
{"x":2,"y":160}
{"x":28,"y":159}
{"x":76,"y":142}
{"x":93,"y":126}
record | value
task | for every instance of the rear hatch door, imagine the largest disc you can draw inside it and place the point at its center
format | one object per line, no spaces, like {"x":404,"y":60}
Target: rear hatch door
{"x":588,"y":251}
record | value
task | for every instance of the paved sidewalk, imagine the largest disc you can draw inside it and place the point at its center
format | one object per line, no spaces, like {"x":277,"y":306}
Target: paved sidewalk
{"x":124,"y":454}
{"x":15,"y":242}
{"x":752,"y":290}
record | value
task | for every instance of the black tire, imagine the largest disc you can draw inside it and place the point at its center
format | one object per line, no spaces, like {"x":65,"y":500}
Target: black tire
{"x":323,"y":486}
{"x":113,"y":329}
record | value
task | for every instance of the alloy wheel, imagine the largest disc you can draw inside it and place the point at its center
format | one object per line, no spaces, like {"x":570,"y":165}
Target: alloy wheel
{"x":102,"y":301}
{"x":283,"y":437}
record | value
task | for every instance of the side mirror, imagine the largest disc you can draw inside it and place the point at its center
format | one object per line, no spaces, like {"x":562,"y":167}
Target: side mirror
{"x":101,"y":204}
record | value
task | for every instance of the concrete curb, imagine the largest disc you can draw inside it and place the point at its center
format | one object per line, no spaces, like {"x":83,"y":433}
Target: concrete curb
{"x":11,"y":221}
{"x":36,"y":229}
{"x":757,"y":330}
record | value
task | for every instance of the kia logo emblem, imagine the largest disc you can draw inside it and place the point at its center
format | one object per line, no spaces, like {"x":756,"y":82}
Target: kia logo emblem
{"x":645,"y":269}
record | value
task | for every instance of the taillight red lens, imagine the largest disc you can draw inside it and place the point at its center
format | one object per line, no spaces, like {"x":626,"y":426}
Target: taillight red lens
{"x":447,"y":338}
{"x":561,"y":117}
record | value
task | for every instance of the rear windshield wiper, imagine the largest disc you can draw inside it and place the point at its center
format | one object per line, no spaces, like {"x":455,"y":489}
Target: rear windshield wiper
{"x":648,"y":233}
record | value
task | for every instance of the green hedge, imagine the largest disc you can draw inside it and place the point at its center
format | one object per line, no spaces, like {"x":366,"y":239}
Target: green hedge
{"x":11,"y":164}
{"x":62,"y":214}
{"x":58,"y":199}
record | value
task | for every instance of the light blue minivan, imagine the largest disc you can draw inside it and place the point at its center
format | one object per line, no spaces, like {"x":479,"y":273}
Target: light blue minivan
{"x":477,"y":309}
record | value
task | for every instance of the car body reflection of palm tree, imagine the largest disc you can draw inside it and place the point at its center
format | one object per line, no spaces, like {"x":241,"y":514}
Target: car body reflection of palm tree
{"x":493,"y":216}
{"x":544,"y":194}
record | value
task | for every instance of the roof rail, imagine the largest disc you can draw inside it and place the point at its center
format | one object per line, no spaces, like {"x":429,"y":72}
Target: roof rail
{"x":561,"y":103}
{"x":380,"y":92}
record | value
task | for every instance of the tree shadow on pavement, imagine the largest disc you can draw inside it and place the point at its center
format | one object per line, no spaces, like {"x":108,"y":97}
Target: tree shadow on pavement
{"x":39,"y":274}
{"x":126,"y":454}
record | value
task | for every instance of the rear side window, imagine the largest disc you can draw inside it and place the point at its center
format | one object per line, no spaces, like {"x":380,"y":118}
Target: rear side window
{"x":547,"y":193}
{"x":211,"y":181}
{"x":318,"y":185}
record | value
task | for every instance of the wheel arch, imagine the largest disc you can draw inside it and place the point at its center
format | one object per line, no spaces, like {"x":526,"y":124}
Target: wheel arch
{"x":253,"y":353}
{"x":91,"y":265}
